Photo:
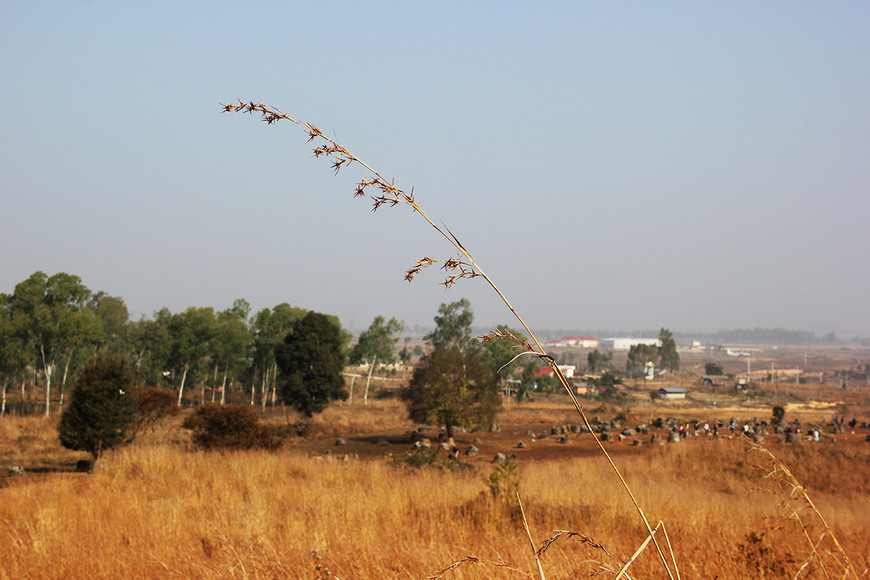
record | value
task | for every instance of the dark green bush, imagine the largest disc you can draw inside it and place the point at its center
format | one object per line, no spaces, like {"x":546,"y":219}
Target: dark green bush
{"x":231,"y":427}
{"x":102,"y":409}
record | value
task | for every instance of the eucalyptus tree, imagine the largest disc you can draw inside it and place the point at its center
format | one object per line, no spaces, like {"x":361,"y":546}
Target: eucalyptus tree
{"x":669,"y":358}
{"x":232,"y":341}
{"x":639,"y":355}
{"x":54,"y":318}
{"x":150,"y":345}
{"x":376,"y":345}
{"x":190,"y":333}
{"x":269,"y":329}
{"x":453,"y":327}
{"x":13,"y":352}
{"x":113,"y":318}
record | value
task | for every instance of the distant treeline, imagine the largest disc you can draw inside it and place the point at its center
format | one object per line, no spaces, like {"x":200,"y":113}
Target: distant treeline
{"x":741,"y":335}
{"x":766,"y":336}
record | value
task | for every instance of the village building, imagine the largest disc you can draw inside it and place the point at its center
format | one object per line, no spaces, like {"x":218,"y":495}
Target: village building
{"x":626,"y":343}
{"x":672,"y":393}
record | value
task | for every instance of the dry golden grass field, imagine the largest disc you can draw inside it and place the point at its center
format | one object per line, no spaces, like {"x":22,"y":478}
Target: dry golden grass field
{"x":314,"y":509}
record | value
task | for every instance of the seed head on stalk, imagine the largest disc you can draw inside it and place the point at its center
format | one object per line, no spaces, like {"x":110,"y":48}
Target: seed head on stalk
{"x":381,"y":191}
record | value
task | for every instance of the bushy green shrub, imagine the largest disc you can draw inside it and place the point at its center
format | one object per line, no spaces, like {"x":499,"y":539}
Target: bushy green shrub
{"x":102,"y":407}
{"x":231,"y":427}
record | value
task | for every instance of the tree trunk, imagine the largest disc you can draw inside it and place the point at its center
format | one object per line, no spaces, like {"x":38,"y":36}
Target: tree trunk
{"x":224,"y":386}
{"x":369,"y":380}
{"x":3,"y":404}
{"x":253,"y":392}
{"x":265,"y":387}
{"x":449,"y":428}
{"x":47,"y":367}
{"x":274,"y":383}
{"x":214,"y":383}
{"x":139,"y":356}
{"x":350,"y":398}
{"x":181,"y":387}
{"x":63,"y":381}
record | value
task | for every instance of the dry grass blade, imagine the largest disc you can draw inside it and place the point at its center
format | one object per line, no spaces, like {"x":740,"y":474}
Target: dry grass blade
{"x":566,"y":534}
{"x":471,"y":560}
{"x":624,"y":570}
{"x":531,"y":541}
{"x":466,"y":561}
{"x":782,"y":473}
{"x":386,"y":193}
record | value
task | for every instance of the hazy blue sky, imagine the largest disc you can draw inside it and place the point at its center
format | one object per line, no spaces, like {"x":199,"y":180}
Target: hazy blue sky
{"x":625,"y":165}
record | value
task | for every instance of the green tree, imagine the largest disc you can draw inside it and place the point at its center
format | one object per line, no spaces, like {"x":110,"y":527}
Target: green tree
{"x":231,"y":343}
{"x":638,"y":356}
{"x":310,"y":362}
{"x":190,"y":333}
{"x":377,"y":342}
{"x":13,"y":351}
{"x":112,"y":316}
{"x":597,"y":362}
{"x":270,"y":327}
{"x":453,"y":327}
{"x":150,"y":345}
{"x":102,"y":407}
{"x":452,"y":389}
{"x":376,"y":345}
{"x":669,"y":358}
{"x":54,"y":317}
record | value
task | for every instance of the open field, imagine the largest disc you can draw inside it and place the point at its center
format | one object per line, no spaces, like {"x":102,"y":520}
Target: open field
{"x":159,"y":509}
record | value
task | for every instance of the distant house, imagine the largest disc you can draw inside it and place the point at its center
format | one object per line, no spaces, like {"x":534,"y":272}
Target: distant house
{"x":672,"y":393}
{"x":601,"y":390}
{"x":539,"y":372}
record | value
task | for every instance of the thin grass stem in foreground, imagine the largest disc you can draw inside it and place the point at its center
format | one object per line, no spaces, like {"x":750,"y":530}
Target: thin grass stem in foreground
{"x":381,"y":192}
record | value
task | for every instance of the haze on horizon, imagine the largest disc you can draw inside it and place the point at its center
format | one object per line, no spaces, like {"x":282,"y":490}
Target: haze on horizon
{"x":621,"y":165}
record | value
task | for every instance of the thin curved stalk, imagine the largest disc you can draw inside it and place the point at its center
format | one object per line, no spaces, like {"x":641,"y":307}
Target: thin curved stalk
{"x":463,"y":267}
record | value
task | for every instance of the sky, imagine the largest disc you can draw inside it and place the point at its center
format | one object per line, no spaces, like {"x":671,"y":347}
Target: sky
{"x":697,"y":166}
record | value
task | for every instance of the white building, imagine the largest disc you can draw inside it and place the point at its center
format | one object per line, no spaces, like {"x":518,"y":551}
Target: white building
{"x":626,"y":343}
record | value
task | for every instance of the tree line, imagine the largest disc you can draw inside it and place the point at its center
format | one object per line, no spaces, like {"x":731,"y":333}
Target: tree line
{"x":51,"y":325}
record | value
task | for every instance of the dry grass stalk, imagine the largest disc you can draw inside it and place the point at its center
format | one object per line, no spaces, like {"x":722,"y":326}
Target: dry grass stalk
{"x":381,"y":192}
{"x":790,"y":489}
{"x":531,"y":541}
{"x":624,"y":570}
{"x":471,"y":560}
